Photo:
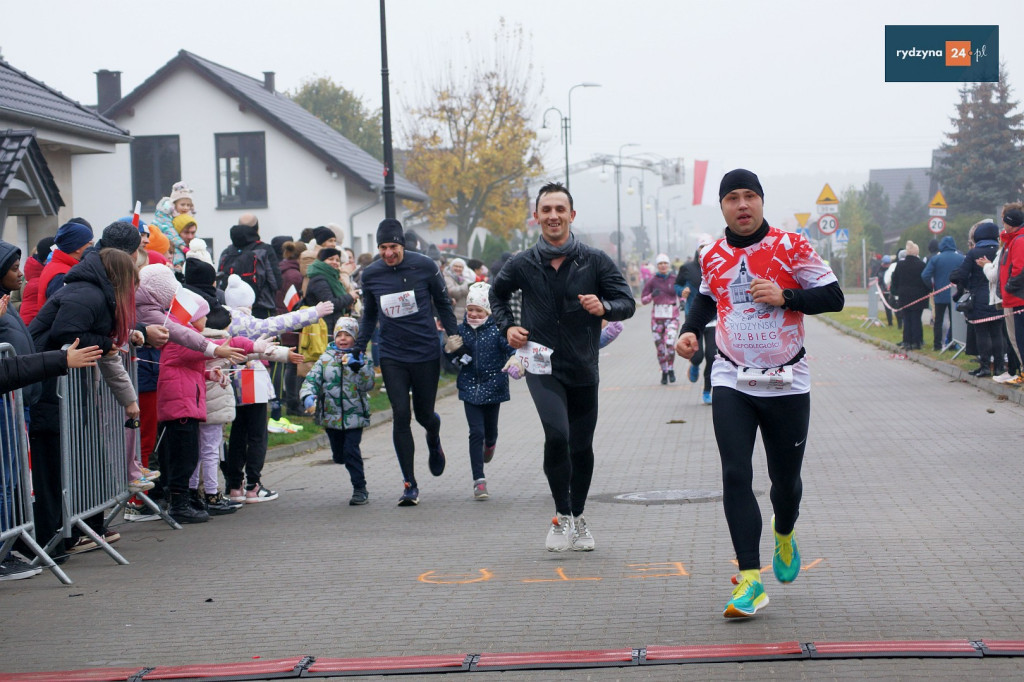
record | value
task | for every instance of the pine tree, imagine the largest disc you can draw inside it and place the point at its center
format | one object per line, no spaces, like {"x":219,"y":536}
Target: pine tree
{"x":983,"y":166}
{"x":910,"y":208}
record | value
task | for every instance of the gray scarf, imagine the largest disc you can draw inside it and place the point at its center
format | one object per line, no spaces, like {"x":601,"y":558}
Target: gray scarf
{"x":548,"y":252}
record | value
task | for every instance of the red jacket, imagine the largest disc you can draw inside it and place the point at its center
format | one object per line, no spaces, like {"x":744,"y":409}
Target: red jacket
{"x":1011,"y":269}
{"x":58,"y":265}
{"x":30,"y":296}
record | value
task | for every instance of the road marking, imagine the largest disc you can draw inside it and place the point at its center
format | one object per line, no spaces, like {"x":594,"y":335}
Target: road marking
{"x":677,"y":565}
{"x":561,"y":576}
{"x":456,"y":579}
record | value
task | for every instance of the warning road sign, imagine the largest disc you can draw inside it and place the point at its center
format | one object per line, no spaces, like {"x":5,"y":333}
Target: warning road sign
{"x":937,"y":206}
{"x":827,"y":196}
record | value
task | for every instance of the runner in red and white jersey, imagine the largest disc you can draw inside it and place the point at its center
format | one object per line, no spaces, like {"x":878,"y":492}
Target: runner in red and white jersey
{"x":760,"y":281}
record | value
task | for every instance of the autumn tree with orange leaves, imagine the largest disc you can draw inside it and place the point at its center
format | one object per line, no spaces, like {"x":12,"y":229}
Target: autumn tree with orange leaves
{"x":472,"y":147}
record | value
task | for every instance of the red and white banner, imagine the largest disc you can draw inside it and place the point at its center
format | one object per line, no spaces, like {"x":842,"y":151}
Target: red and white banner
{"x":136,"y":212}
{"x":291,"y":298}
{"x":253,"y":388}
{"x":700,"y":176}
{"x":184,"y":305}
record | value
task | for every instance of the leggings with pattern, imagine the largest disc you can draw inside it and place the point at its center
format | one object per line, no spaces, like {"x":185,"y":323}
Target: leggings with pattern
{"x":664,"y":333}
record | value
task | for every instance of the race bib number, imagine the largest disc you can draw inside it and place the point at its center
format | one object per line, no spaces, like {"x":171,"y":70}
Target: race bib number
{"x":401,"y":304}
{"x":663,"y":310}
{"x":775,"y":378}
{"x":536,"y":358}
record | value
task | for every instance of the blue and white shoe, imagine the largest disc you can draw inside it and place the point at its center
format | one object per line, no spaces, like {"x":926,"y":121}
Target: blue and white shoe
{"x":748,"y":597}
{"x":786,"y":560}
{"x":410,"y":496}
{"x":693,"y":374}
{"x":706,"y":397}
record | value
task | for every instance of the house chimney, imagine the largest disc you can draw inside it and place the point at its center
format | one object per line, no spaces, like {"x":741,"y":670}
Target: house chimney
{"x":108,"y":89}
{"x":268,"y":80}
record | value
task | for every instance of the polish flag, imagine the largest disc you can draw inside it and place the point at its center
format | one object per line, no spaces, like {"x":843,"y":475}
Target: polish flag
{"x":291,"y":298}
{"x":135,"y":214}
{"x":183,"y":306}
{"x":254,"y":391}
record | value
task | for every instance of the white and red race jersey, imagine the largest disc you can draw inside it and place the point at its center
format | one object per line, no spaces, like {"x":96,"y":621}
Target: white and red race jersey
{"x":759,"y":334}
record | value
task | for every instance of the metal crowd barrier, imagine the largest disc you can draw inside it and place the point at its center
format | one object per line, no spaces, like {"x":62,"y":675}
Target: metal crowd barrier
{"x":94,"y":444}
{"x":16,"y":520}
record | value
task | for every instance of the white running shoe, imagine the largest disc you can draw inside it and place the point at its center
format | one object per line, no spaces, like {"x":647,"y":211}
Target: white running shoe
{"x":582,"y":540}
{"x":560,"y":534}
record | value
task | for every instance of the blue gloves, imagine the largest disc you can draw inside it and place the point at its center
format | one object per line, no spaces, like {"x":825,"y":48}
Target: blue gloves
{"x":356,"y":360}
{"x":309,"y":402}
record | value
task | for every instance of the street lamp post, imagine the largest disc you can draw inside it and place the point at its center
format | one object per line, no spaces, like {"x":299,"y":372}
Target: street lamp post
{"x":668,"y":211}
{"x":657,"y":221}
{"x":566,"y":125}
{"x":618,"y":201}
{"x":629,"y":190}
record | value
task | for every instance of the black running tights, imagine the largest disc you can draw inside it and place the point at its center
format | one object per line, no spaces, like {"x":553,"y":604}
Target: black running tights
{"x":783,"y":421}
{"x":569,"y":416}
{"x":421,"y":378}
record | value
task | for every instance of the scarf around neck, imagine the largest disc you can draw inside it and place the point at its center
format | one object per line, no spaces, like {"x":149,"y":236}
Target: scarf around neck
{"x":549,"y":252}
{"x":333,"y":277}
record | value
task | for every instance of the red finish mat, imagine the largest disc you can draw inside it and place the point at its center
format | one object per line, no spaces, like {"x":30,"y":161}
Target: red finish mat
{"x":1001,"y":647}
{"x":895,"y":649}
{"x":250,"y":670}
{"x":328,"y":667}
{"x":722,"y":652}
{"x":88,"y":675}
{"x":555,"y":660}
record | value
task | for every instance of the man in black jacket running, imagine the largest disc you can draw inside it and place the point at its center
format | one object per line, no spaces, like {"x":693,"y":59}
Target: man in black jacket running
{"x":568,"y":288}
{"x":402,"y":290}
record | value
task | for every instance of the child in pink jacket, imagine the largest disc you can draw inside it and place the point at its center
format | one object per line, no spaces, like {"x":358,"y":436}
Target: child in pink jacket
{"x":180,"y":410}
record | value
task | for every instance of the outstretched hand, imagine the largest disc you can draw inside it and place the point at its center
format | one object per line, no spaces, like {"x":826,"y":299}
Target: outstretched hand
{"x":83,"y":357}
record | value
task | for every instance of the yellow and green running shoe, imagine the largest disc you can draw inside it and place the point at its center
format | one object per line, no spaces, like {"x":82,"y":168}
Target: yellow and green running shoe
{"x":748,"y":597}
{"x":786,"y":560}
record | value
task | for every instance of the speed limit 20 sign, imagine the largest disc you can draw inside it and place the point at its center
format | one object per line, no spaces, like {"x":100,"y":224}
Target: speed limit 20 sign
{"x":828,"y":223}
{"x":936,"y":225}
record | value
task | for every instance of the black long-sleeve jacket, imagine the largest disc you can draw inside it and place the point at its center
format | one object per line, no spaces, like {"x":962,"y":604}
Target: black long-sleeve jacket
{"x":559,"y":321}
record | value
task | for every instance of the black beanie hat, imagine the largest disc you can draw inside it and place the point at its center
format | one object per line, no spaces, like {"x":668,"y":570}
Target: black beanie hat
{"x":390,"y":232}
{"x":740,"y":178}
{"x":1014,"y":218}
{"x":324,"y":254}
{"x":43,"y":249}
{"x":322,"y":234}
{"x":122,"y":236}
{"x":199,"y":273}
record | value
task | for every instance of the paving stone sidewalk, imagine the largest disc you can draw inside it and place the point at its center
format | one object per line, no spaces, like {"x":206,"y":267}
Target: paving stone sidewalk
{"x":910,"y":530}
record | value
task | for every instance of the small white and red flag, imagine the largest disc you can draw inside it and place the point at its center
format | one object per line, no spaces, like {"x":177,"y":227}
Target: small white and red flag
{"x":183,"y":306}
{"x":291,"y":298}
{"x":135,"y":213}
{"x":253,"y":388}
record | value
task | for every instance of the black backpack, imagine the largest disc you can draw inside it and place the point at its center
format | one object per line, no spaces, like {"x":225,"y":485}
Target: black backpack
{"x":252,"y":265}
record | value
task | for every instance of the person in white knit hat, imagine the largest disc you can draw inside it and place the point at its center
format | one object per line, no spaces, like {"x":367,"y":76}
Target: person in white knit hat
{"x":483,"y":387}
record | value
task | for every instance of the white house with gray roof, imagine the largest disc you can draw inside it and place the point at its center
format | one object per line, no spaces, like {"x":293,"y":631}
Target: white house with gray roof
{"x":42,"y":132}
{"x":242,"y":147}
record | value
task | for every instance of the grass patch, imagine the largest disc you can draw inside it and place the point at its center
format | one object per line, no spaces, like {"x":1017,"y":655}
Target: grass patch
{"x":853,"y":317}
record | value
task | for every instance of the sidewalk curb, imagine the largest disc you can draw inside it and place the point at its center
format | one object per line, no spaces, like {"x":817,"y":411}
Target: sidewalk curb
{"x":320,"y":441}
{"x":1008,"y":393}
